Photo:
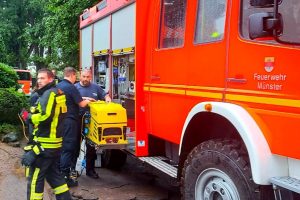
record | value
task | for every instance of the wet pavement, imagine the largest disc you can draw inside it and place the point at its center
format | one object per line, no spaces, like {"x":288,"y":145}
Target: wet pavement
{"x":135,"y":181}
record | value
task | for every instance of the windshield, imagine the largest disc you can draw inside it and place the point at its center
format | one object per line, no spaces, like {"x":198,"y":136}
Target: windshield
{"x":24,"y":75}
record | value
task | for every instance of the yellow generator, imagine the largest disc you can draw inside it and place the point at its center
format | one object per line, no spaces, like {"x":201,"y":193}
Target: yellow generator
{"x":105,"y":125}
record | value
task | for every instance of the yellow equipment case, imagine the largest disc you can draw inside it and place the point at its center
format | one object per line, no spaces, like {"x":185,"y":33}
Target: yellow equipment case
{"x":106,"y":124}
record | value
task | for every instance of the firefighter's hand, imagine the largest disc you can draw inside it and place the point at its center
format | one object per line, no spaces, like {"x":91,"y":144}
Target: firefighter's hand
{"x":92,"y":99}
{"x":89,"y":98}
{"x":107,"y":99}
{"x":28,"y":158}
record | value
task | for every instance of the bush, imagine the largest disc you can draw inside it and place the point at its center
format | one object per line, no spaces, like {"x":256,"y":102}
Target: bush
{"x":7,"y":128}
{"x":8,"y":77}
{"x":11,"y":103}
{"x":10,"y":132}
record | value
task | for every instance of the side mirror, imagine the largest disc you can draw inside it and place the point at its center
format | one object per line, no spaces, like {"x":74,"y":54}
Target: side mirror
{"x":263,"y":3}
{"x":264,"y":25}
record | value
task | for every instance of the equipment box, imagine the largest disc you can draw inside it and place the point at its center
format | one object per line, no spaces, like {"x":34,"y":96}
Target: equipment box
{"x":106,"y":124}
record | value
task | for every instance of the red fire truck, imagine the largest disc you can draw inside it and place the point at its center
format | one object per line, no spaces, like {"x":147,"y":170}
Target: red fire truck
{"x":24,"y":81}
{"x":210,"y":87}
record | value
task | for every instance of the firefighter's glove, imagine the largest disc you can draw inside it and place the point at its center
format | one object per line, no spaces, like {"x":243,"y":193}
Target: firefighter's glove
{"x":28,"y":158}
{"x":31,"y":153}
{"x":25,"y":116}
{"x":33,"y":110}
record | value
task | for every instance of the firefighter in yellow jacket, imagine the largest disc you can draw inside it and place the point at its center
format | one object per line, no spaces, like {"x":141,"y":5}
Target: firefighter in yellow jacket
{"x":42,"y":153}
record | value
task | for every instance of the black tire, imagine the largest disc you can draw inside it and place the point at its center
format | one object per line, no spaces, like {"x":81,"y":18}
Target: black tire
{"x":217,"y":169}
{"x":113,"y":158}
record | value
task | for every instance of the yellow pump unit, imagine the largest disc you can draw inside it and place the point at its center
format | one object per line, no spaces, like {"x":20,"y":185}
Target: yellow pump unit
{"x":106,"y":124}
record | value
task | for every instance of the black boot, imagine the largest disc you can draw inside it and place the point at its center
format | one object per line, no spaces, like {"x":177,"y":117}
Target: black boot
{"x":92,"y":174}
{"x":71,"y":179}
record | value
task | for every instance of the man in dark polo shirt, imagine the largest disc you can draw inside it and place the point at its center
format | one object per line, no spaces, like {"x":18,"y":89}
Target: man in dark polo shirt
{"x":87,"y":89}
{"x":70,"y":136}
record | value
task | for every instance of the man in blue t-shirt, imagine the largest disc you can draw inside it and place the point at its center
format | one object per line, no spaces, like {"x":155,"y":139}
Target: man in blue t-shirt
{"x":91,"y":91}
{"x":70,"y":136}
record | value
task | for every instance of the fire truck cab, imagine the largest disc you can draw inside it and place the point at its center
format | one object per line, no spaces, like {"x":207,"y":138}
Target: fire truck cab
{"x":213,"y":90}
{"x":24,"y":80}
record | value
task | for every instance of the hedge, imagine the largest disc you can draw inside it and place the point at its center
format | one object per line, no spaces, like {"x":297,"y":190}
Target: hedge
{"x":11,"y":103}
{"x":8,"y":77}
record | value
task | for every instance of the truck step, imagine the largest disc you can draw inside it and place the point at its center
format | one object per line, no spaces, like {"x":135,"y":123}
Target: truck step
{"x":287,"y":182}
{"x":159,"y":163}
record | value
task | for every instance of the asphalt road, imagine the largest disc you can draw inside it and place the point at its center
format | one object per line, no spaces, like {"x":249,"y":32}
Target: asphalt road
{"x":135,"y":181}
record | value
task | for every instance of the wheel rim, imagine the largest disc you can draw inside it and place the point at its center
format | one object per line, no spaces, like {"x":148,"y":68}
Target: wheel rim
{"x":213,"y":184}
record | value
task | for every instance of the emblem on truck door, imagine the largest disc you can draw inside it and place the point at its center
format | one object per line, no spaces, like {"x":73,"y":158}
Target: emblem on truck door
{"x":269,"y":64}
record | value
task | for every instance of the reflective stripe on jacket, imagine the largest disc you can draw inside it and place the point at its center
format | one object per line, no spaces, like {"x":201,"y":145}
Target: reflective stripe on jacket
{"x":48,"y":121}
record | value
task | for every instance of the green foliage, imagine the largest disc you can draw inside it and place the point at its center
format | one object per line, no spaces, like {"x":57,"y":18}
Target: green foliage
{"x":8,"y":77}
{"x":35,"y":33}
{"x":44,"y":32}
{"x":11,"y":103}
{"x":12,"y":23}
{"x":62,"y":29}
{"x":6,"y":128}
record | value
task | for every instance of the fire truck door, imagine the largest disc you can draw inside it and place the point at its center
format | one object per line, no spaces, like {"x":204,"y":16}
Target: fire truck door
{"x":188,"y":66}
{"x":168,"y":71}
{"x":262,"y":74}
{"x":209,"y":51}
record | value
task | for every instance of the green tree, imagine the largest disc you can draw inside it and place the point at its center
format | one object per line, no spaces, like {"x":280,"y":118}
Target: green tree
{"x":44,"y":32}
{"x":62,"y":30}
{"x":12,"y":24}
{"x":34,"y":33}
{"x":21,"y":31}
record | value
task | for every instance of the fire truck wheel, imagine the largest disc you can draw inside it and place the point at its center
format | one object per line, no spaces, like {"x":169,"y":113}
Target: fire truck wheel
{"x":218,"y":169}
{"x":113,"y":158}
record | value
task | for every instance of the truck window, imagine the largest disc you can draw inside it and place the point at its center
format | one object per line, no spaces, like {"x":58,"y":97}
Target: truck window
{"x":24,"y":75}
{"x":24,"y":80}
{"x":172,"y":23}
{"x":210,"y":22}
{"x":290,"y":11}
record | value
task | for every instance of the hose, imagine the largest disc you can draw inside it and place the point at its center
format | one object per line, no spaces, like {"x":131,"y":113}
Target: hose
{"x":83,"y":162}
{"x":82,"y":118}
{"x":23,"y":127}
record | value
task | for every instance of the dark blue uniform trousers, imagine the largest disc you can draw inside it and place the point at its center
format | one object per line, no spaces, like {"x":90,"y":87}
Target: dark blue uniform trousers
{"x":70,"y":145}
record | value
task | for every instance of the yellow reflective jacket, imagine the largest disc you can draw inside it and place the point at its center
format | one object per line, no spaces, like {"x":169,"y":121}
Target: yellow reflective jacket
{"x":47,"y":121}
